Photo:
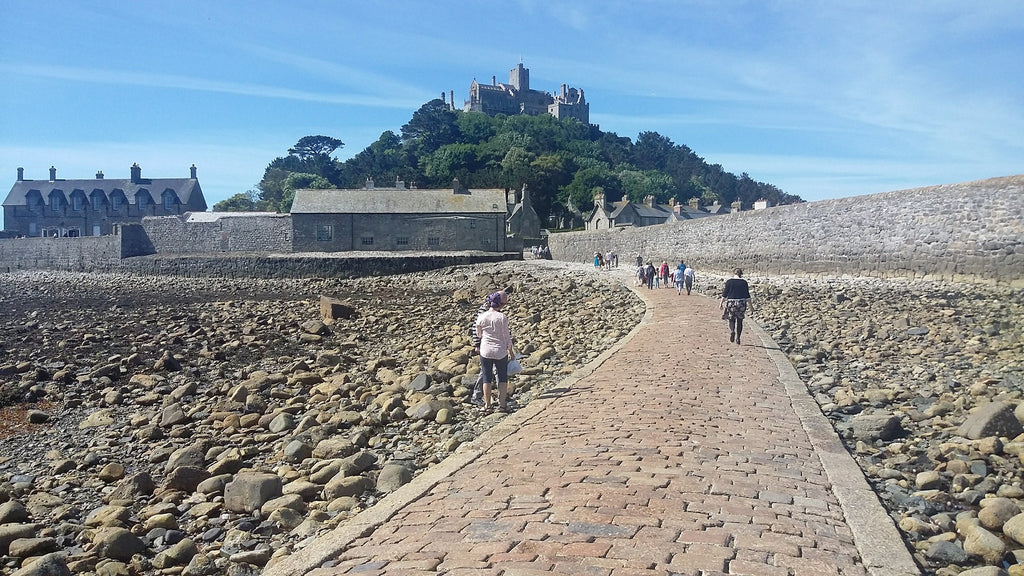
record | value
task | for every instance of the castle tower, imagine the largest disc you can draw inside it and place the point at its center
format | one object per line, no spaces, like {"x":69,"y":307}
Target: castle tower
{"x":519,"y":78}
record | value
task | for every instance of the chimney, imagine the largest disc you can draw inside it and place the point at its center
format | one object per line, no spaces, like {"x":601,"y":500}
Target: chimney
{"x":53,"y":174}
{"x":457,"y":187}
{"x":737,"y":206}
{"x":136,"y":173}
{"x":649,"y":201}
{"x":369,"y":183}
{"x":21,"y":174}
{"x":192,"y":171}
{"x":442,"y":97}
{"x":494,"y":80}
{"x":695,"y":203}
{"x":451,"y":97}
{"x":99,"y":175}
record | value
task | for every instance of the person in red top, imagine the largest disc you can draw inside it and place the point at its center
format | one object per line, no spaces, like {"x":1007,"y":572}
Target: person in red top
{"x":495,"y":349}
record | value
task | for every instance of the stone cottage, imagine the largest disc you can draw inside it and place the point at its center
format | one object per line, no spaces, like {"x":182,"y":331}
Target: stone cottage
{"x":92,"y":207}
{"x":399,"y":218}
{"x":609,"y":215}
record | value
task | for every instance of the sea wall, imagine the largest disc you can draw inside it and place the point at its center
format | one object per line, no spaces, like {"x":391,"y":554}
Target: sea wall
{"x":961,"y":232}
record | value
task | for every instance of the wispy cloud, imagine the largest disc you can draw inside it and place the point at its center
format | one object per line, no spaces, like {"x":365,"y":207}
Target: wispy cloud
{"x":178,"y":82}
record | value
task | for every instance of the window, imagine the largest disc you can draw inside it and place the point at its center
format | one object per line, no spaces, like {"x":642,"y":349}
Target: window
{"x":324,"y":233}
{"x":97,"y":201}
{"x":170,"y":200}
{"x":143,"y":201}
{"x":116,"y":201}
{"x":77,"y":202}
{"x":433,"y":241}
{"x":366,"y":240}
{"x":472,"y":224}
{"x":402,"y":241}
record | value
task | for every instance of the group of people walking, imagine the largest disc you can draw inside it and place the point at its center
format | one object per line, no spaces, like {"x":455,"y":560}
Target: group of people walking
{"x":682,"y":276}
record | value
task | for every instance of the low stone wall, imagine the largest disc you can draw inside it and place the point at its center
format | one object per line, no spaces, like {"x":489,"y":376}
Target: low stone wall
{"x":962,"y":232}
{"x":74,"y":254}
{"x":303,"y":265}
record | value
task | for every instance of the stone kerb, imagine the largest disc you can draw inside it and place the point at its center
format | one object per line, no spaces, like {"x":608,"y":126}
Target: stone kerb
{"x":962,"y":232}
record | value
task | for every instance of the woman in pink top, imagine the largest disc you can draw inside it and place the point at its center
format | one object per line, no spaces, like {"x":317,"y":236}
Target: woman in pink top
{"x":495,"y":349}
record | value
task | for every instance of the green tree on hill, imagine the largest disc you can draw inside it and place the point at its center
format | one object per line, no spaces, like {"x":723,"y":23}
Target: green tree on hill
{"x":561,"y":161}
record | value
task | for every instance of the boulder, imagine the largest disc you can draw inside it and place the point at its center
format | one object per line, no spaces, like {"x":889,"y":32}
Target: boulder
{"x":992,"y":419}
{"x":249,"y":490}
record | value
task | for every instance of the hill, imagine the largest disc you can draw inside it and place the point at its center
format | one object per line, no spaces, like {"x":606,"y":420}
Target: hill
{"x":563,"y":162}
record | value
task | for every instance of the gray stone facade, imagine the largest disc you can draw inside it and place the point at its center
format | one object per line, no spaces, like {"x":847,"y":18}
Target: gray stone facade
{"x":399,"y":219}
{"x":972,"y":231}
{"x":94,"y":206}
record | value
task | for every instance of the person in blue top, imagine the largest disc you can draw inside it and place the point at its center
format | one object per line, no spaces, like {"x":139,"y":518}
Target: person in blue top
{"x":735,"y":301}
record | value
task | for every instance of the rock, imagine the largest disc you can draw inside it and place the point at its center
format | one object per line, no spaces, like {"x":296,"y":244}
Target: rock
{"x":392,"y":477}
{"x":996,"y":511}
{"x":53,"y":564}
{"x":27,"y":547}
{"x":928,"y":480}
{"x":11,"y":532}
{"x":992,"y":419}
{"x":116,"y":543}
{"x":1014,"y":528}
{"x":341,"y":486}
{"x":248,"y":491}
{"x":332,"y":309}
{"x":984,"y":544}
{"x":134,"y":487}
{"x":185,"y":478}
{"x":179,"y":554}
{"x":870,"y":427}
{"x":946,"y":552}
{"x":13,"y":511}
{"x":172,"y":416}
{"x":109,"y":516}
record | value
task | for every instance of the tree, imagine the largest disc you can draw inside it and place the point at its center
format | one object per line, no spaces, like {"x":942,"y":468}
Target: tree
{"x":241,"y":202}
{"x":431,"y":127}
{"x":311,"y":146}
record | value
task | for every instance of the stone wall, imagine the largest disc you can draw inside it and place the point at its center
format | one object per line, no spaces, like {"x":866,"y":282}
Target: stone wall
{"x":302,"y":265}
{"x":87,"y":253}
{"x":216,"y":232}
{"x":965,"y":232}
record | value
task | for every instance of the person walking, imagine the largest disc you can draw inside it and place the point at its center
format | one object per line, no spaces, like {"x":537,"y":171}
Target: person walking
{"x":735,"y":301}
{"x":663,"y":273}
{"x":477,"y":396}
{"x":688,"y":276}
{"x":495,"y":349}
{"x":677,"y":277}
{"x":650,"y":275}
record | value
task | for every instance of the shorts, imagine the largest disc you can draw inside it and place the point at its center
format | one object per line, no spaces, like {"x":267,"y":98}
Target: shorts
{"x":489,"y":365}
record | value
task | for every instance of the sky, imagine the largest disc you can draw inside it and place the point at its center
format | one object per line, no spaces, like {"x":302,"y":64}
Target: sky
{"x":822,"y":99}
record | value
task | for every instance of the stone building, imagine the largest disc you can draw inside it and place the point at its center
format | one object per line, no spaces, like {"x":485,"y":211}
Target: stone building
{"x":92,"y":207}
{"x":517,"y":97}
{"x":398,"y":219}
{"x":609,"y":215}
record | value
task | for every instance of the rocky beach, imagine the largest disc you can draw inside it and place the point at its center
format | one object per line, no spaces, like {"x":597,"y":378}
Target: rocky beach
{"x":163,"y":425}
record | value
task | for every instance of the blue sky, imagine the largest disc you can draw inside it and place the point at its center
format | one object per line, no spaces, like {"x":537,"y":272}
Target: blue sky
{"x":822,"y":99}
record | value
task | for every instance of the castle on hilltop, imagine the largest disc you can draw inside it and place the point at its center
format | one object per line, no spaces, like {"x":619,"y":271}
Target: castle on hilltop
{"x":517,"y":97}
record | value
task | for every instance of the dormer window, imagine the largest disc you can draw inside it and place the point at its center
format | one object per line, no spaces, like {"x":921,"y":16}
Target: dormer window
{"x":170,"y":201}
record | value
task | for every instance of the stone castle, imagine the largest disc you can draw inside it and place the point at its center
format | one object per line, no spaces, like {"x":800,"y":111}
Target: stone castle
{"x":517,"y":97}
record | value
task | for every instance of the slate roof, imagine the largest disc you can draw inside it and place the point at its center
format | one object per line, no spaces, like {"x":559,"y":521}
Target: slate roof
{"x":185,"y":188}
{"x":398,"y":201}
